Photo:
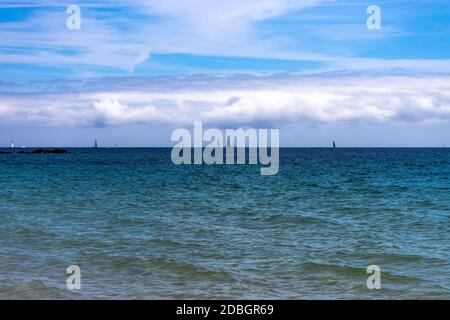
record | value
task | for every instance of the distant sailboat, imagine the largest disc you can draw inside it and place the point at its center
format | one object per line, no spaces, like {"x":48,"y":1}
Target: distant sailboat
{"x":228,"y":142}
{"x":334,"y":144}
{"x":95,"y":145}
{"x":12,"y":144}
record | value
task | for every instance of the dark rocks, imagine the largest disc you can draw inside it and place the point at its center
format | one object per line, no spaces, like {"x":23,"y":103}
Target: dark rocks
{"x":45,"y":151}
{"x":38,"y":151}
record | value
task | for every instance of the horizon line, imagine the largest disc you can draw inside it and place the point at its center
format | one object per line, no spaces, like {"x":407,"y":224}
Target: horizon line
{"x":224,"y":147}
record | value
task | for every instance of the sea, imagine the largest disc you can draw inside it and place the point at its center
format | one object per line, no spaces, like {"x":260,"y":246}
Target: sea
{"x":139,"y":227}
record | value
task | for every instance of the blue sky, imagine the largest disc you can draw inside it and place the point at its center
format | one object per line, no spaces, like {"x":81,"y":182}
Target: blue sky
{"x":145,"y":38}
{"x":145,"y":67}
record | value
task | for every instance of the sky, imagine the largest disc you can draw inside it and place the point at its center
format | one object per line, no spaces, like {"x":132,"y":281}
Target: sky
{"x":134,"y":71}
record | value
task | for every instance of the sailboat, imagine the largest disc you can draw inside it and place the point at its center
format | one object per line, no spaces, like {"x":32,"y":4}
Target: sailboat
{"x":12,"y":144}
{"x":334,"y":144}
{"x":95,"y":145}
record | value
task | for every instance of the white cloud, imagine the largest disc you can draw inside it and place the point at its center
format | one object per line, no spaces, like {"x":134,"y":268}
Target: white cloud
{"x":278,"y":101}
{"x":127,"y":36}
{"x":43,"y":39}
{"x":123,"y":40}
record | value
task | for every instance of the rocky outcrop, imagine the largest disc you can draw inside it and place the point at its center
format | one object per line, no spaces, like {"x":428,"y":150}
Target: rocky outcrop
{"x":38,"y":151}
{"x":57,"y":151}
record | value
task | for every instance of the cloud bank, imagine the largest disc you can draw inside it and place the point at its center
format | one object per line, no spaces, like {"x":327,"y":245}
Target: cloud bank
{"x":275,"y":101}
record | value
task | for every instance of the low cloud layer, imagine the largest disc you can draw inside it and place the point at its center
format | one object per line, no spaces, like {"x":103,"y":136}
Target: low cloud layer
{"x":275,"y":101}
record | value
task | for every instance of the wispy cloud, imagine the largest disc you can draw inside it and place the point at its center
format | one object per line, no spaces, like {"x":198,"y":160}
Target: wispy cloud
{"x":124,"y":36}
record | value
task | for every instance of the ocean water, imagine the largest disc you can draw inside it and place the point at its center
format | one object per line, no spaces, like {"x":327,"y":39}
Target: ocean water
{"x":140,"y":227}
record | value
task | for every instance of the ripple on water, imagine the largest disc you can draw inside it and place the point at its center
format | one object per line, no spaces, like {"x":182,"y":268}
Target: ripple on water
{"x":141,"y":227}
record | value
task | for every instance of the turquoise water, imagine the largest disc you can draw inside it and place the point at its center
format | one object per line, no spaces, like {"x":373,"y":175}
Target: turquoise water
{"x":140,"y":227}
